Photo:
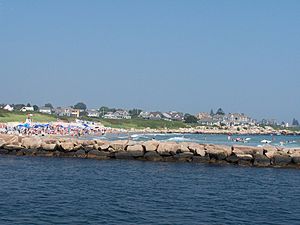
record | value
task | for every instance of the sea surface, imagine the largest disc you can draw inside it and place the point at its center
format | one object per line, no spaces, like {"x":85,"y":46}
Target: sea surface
{"x":37,"y":190}
{"x":289,"y":141}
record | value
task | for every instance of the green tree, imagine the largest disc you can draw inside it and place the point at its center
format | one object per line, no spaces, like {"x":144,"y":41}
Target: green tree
{"x":295,"y":122}
{"x":28,"y":105}
{"x":80,"y":105}
{"x":103,"y":110}
{"x":188,"y":118}
{"x":134,"y":112}
{"x":220,"y":112}
{"x":49,"y":105}
{"x":35,"y":107}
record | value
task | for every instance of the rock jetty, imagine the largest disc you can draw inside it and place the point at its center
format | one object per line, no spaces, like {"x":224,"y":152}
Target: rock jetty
{"x":266,"y":156}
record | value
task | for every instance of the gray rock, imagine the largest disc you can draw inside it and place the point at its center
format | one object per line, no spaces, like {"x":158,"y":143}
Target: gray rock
{"x":261,"y":160}
{"x":123,"y":155}
{"x":12,"y":147}
{"x":281,"y":159}
{"x":95,"y":154}
{"x":81,"y":154}
{"x":153,"y":156}
{"x":151,"y":145}
{"x":184,"y":156}
{"x":200,"y":159}
{"x":232,"y":158}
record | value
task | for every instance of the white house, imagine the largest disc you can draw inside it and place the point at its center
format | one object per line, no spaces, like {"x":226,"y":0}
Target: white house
{"x":8,"y":108}
{"x":119,"y":114}
{"x":26,"y":109}
{"x":46,"y":110}
{"x":92,"y":113}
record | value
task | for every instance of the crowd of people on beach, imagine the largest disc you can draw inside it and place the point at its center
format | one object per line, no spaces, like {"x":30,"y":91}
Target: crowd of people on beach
{"x":53,"y":129}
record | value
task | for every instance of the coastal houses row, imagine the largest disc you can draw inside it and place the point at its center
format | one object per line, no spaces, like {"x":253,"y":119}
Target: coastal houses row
{"x":172,"y":115}
{"x":230,"y":119}
{"x":203,"y":118}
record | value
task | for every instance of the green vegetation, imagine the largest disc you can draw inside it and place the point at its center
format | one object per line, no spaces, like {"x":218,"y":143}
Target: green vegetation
{"x":17,"y":116}
{"x":138,"y":123}
{"x":188,"y":118}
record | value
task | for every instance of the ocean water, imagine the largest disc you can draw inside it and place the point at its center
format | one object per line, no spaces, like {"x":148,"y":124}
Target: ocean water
{"x":36,"y":190}
{"x":289,"y":141}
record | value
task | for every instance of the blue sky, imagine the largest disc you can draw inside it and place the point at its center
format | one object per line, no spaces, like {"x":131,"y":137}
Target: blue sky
{"x":191,"y":56}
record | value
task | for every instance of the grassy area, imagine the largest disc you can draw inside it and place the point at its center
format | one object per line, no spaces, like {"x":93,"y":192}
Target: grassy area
{"x":16,"y":116}
{"x":136,"y":123}
{"x":141,"y":123}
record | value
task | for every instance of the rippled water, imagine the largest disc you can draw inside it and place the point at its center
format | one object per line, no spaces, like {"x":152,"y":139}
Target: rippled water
{"x":79,"y":191}
{"x":253,"y":140}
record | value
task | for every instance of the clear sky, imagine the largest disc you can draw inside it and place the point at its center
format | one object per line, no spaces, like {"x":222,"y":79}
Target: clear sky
{"x":243,"y":56}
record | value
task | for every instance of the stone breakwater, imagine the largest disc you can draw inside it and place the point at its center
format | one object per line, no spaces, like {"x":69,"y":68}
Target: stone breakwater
{"x":267,"y":156}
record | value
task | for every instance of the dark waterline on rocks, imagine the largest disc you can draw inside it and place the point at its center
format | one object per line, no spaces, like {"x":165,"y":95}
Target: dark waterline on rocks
{"x":288,"y":141}
{"x":37,"y":190}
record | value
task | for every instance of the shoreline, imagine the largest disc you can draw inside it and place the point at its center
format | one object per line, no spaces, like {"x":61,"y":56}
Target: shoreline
{"x":265,"y":156}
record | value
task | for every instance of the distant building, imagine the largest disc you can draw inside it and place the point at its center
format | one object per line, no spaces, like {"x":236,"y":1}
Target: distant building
{"x":63,"y":111}
{"x":268,"y":122}
{"x":46,"y":110}
{"x":229,"y":119}
{"x":119,"y":114}
{"x":8,"y":108}
{"x":173,"y":115}
{"x":203,"y":115}
{"x":76,"y":112}
{"x":238,"y":119}
{"x":26,"y":109}
{"x":155,"y":116}
{"x":92,"y":113}
{"x":144,"y":115}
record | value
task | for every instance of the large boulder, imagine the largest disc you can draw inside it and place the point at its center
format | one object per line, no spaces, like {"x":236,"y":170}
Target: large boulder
{"x":104,"y":146}
{"x":184,"y":156}
{"x":197,"y":149}
{"x":296,"y":157}
{"x":118,"y":145}
{"x":31,"y":142}
{"x":86,"y":142}
{"x":136,"y":147}
{"x":240,"y":149}
{"x":80,"y":154}
{"x":50,"y":141}
{"x":151,"y":145}
{"x":135,"y":150}
{"x":101,"y":142}
{"x":218,"y":152}
{"x":48,"y":147}
{"x":168,"y":148}
{"x":153,"y":156}
{"x":67,"y":146}
{"x":245,"y":159}
{"x":184,"y":147}
{"x":11,"y":140}
{"x":281,"y":159}
{"x":261,"y":160}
